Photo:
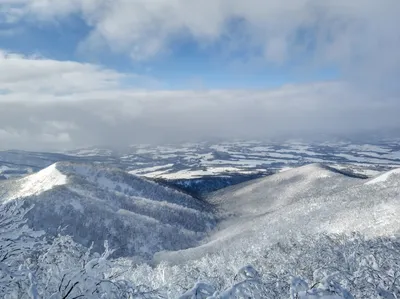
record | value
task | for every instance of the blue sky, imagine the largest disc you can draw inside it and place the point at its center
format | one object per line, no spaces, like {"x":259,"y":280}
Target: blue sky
{"x":85,"y":72}
{"x":187,"y":64}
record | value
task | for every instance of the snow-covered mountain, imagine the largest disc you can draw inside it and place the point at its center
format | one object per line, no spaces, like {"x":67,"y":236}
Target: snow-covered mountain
{"x":140,"y":217}
{"x":312,"y":199}
{"x":293,"y":223}
{"x":94,"y":203}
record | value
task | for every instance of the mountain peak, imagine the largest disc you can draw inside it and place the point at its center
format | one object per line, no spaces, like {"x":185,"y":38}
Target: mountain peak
{"x":39,"y":182}
{"x":384,"y":177}
{"x":309,"y":172}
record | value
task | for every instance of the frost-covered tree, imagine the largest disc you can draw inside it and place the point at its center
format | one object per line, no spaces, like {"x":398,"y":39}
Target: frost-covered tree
{"x":330,"y":267}
{"x":18,"y":245}
{"x":249,"y":284}
{"x":342,"y":266}
{"x":68,"y":270}
{"x":34,"y":268}
{"x":328,"y":289}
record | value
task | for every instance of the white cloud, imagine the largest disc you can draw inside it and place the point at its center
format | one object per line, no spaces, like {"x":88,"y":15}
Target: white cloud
{"x":21,"y":75}
{"x":34,"y":74}
{"x":51,"y":104}
{"x":361,"y":36}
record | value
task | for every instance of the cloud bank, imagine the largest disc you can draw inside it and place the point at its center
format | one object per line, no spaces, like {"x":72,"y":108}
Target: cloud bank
{"x":46,"y":103}
{"x":54,"y":104}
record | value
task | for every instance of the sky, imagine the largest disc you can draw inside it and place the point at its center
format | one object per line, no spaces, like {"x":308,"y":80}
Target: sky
{"x":79,"y":73}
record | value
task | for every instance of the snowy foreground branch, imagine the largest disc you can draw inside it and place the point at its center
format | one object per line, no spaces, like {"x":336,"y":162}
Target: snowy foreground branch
{"x":330,"y":267}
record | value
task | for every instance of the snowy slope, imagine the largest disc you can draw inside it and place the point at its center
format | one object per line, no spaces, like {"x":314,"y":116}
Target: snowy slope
{"x":280,"y":189}
{"x":37,"y":183}
{"x":393,"y":175}
{"x":93,"y":203}
{"x":311,"y":199}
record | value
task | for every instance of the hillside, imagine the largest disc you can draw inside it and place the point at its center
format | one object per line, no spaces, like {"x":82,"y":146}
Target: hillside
{"x":94,"y":203}
{"x":312,"y":199}
{"x":290,"y":226}
{"x":140,"y":217}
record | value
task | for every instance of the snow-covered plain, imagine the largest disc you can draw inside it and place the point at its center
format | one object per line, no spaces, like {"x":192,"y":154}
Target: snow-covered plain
{"x":193,"y":160}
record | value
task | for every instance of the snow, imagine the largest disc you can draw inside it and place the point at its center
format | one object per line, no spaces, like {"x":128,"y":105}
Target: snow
{"x":142,"y":151}
{"x":359,"y":169}
{"x":281,"y":155}
{"x":77,"y":205}
{"x":285,"y":169}
{"x":298,"y":150}
{"x":354,"y":158}
{"x":383,"y":177}
{"x":245,"y":156}
{"x":164,"y":156}
{"x":42,"y":181}
{"x":312,"y":199}
{"x":90,"y":152}
{"x":194,"y":156}
{"x":147,"y":218}
{"x":244,"y":163}
{"x":368,"y":148}
{"x":210,"y":171}
{"x":155,"y":174}
{"x":138,"y":216}
{"x":393,"y":155}
{"x":4,"y":168}
{"x":260,"y":148}
{"x":150,"y":169}
{"x":219,"y":147}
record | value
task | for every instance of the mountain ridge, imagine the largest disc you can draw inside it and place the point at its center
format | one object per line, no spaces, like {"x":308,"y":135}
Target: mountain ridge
{"x":311,"y":199}
{"x":143,"y":218}
{"x":95,"y":203}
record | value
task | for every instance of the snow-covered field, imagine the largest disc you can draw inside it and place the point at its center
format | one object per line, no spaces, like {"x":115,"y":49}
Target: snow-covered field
{"x":311,"y":230}
{"x":194,"y":160}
